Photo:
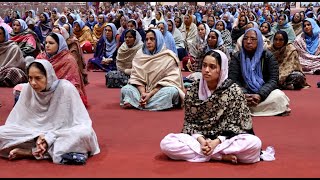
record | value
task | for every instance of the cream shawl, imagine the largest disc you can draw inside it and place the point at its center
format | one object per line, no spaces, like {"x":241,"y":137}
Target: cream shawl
{"x":58,"y":113}
{"x":125,"y":54}
{"x":158,"y":69}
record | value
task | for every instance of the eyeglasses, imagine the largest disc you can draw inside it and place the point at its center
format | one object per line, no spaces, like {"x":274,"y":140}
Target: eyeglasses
{"x":249,"y":38}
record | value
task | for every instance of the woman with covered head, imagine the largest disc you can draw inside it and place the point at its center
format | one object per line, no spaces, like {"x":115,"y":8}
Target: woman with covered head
{"x":307,"y":45}
{"x":156,"y":81}
{"x":61,"y":21}
{"x":48,"y":121}
{"x":132,"y":24}
{"x":290,"y":71}
{"x":256,"y":71}
{"x":125,"y":55}
{"x":296,"y":23}
{"x":44,"y":26}
{"x":63,"y":62}
{"x":265,"y":29}
{"x":178,"y":39}
{"x":27,"y":39}
{"x":99,"y":27}
{"x":168,"y":38}
{"x":239,"y":30}
{"x":74,"y":48}
{"x":284,"y":25}
{"x":225,"y":33}
{"x":91,"y":21}
{"x":5,"y":25}
{"x":104,"y":56}
{"x":84,"y":35}
{"x":12,"y":62}
{"x":217,"y":123}
{"x":189,"y":31}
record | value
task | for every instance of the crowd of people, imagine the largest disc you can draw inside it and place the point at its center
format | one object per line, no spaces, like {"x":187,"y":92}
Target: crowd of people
{"x":240,"y":59}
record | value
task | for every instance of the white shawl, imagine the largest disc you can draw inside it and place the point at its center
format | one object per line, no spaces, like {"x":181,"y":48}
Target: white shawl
{"x":58,"y":113}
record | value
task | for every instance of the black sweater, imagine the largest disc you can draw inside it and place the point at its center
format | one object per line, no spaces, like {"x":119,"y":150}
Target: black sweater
{"x":270,"y":73}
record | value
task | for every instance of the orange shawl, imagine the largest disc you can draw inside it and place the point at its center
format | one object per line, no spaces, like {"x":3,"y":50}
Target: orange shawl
{"x":84,"y":35}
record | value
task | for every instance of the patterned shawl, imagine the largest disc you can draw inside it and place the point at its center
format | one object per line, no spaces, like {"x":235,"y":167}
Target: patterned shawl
{"x":297,"y":27}
{"x":224,"y":113}
{"x":288,"y":60}
{"x":125,"y":54}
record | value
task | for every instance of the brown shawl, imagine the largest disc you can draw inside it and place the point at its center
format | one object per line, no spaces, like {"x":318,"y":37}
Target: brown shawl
{"x":288,"y":60}
{"x":162,"y":69}
{"x":11,"y":55}
{"x":98,"y":30}
{"x":84,"y":35}
{"x":297,"y":27}
{"x":125,"y":56}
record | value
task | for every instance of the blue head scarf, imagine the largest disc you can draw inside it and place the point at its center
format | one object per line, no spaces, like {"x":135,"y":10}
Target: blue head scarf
{"x":168,"y":38}
{"x":159,"y":43}
{"x":80,"y":22}
{"x":62,"y":44}
{"x":23,"y":24}
{"x":110,"y":46}
{"x":251,"y":68}
{"x":312,"y":41}
{"x":6,"y":34}
{"x":60,"y":22}
{"x":219,"y":41}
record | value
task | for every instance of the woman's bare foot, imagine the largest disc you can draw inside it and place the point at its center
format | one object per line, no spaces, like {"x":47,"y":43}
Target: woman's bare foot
{"x":230,"y":158}
{"x":127,"y":105}
{"x":19,"y":153}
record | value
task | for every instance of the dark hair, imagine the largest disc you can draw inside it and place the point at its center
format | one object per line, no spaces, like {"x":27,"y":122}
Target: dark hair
{"x":268,"y":24}
{"x":2,"y":28}
{"x":221,"y":23}
{"x":294,"y":16}
{"x":133,"y":33}
{"x":216,"y":35}
{"x":284,"y":35}
{"x":214,"y":54}
{"x":55,"y":37}
{"x":39,"y":66}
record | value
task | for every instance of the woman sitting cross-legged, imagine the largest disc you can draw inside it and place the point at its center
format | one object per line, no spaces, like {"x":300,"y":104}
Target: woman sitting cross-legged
{"x":12,"y":62}
{"x":217,"y":123}
{"x":156,"y":81}
{"x":256,"y":71}
{"x":290,"y":72}
{"x":49,"y":121}
{"x":125,"y":55}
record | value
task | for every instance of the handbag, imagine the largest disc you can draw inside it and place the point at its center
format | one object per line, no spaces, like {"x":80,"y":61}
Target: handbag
{"x":74,"y":158}
{"x":188,"y":62}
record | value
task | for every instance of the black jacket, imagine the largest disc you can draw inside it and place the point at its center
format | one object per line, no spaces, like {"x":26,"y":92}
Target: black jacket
{"x":270,"y":73}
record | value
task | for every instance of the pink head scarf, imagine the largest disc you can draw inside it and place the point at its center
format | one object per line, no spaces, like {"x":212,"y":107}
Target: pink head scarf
{"x":204,"y":91}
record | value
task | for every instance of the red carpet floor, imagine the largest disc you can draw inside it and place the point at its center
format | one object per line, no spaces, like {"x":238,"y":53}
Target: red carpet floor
{"x":129,"y":141}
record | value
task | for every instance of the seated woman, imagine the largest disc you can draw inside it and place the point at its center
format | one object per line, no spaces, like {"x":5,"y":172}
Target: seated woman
{"x":239,"y":30}
{"x":132,"y":24}
{"x":26,"y":39}
{"x":284,"y":25}
{"x":189,"y":31}
{"x":61,"y":21}
{"x":265,"y":29}
{"x":168,"y":38}
{"x":307,"y":45}
{"x":225,"y":33}
{"x":63,"y":62}
{"x":197,"y":48}
{"x":91,"y":21}
{"x":44,"y":27}
{"x":99,"y":27}
{"x":125,"y":55}
{"x":256,"y":71}
{"x":74,"y":48}
{"x":104,"y":57}
{"x":296,"y":24}
{"x":290,"y":71}
{"x":48,"y":121}
{"x":217,"y":124}
{"x":156,"y":81}
{"x":177,"y":36}
{"x":84,"y":35}
{"x":12,"y":63}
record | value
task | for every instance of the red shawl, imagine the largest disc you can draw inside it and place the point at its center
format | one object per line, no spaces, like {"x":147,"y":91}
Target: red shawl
{"x":66,"y":67}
